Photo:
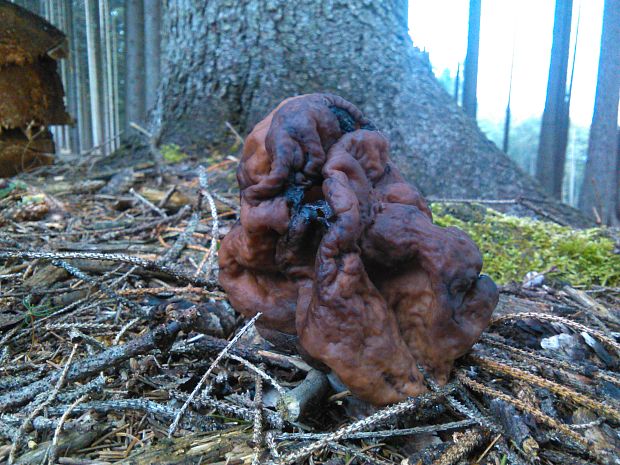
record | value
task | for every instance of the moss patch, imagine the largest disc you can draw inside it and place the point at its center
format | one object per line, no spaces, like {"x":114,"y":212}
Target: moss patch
{"x":512,"y":246}
{"x":172,"y":153}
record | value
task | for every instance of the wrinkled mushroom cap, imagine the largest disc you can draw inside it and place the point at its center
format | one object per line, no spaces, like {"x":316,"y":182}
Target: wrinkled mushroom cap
{"x":335,"y":247}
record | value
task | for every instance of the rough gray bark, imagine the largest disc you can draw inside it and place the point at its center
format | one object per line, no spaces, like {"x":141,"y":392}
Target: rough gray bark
{"x":554,"y":129}
{"x":254,"y":53}
{"x":600,"y":183}
{"x":470,"y":73}
{"x":134,"y":62}
{"x":152,"y":43}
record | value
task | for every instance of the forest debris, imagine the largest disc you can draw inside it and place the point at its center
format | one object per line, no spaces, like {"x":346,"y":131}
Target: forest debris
{"x":147,"y":203}
{"x":602,"y":437}
{"x":212,"y":448}
{"x":464,"y":443}
{"x":382,"y":415}
{"x":561,"y":390}
{"x":584,"y":299}
{"x":174,"y":201}
{"x":147,"y":264}
{"x":119,"y":183}
{"x":553,"y":318}
{"x":53,"y":452}
{"x":142,"y":395}
{"x":204,"y":378}
{"x":67,"y":187}
{"x":51,"y":398}
{"x":536,"y":413}
{"x":69,"y":443}
{"x":296,"y":402}
{"x":46,"y":276}
{"x":161,"y":337}
{"x":568,"y":345}
{"x":514,"y":426}
{"x":417,"y":430}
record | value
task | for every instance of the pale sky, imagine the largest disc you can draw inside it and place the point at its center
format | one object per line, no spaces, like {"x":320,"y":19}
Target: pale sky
{"x":440,"y":26}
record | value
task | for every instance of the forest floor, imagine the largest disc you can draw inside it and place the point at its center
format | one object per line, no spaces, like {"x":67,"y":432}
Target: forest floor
{"x":118,"y":346}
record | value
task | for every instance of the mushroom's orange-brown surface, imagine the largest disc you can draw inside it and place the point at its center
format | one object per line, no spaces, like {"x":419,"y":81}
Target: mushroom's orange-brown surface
{"x":334,"y":247}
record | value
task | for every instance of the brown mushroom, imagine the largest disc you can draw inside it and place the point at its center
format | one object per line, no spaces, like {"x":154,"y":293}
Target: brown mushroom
{"x":335,"y":247}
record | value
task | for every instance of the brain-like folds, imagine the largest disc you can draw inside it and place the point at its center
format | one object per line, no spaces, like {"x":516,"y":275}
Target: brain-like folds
{"x":341,"y":255}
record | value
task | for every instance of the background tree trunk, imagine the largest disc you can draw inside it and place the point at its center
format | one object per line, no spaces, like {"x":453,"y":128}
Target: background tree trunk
{"x":94,"y":71}
{"x":152,"y":43}
{"x":71,"y":76}
{"x":134,"y":62}
{"x":470,"y":74}
{"x":600,"y":183}
{"x":105,"y":31}
{"x":554,"y":128}
{"x":254,"y":53}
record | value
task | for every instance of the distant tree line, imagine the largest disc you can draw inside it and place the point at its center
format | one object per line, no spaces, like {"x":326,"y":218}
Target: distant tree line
{"x":590,"y":177}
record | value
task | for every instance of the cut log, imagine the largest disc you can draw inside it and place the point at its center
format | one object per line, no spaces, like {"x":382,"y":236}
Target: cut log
{"x":31,"y":95}
{"x":25,"y":37}
{"x":18,"y":154}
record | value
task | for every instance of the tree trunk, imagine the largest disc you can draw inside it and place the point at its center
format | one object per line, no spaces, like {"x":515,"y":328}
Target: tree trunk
{"x":84,"y":120}
{"x":554,"y":129}
{"x":470,"y":74}
{"x":94,"y":71}
{"x":115,"y":79}
{"x":255,"y":53}
{"x":152,"y":43}
{"x":70,"y":84}
{"x":134,"y":62}
{"x":599,"y":194}
{"x":106,"y":71}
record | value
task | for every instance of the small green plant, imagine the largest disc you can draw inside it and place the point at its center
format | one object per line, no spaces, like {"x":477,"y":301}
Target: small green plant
{"x":172,"y":153}
{"x":512,"y":246}
{"x":34,"y":312}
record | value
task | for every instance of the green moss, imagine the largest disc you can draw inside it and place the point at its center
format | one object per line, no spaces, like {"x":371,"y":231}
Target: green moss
{"x":9,"y":186}
{"x":172,"y":153}
{"x":30,"y":199}
{"x":512,"y":246}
